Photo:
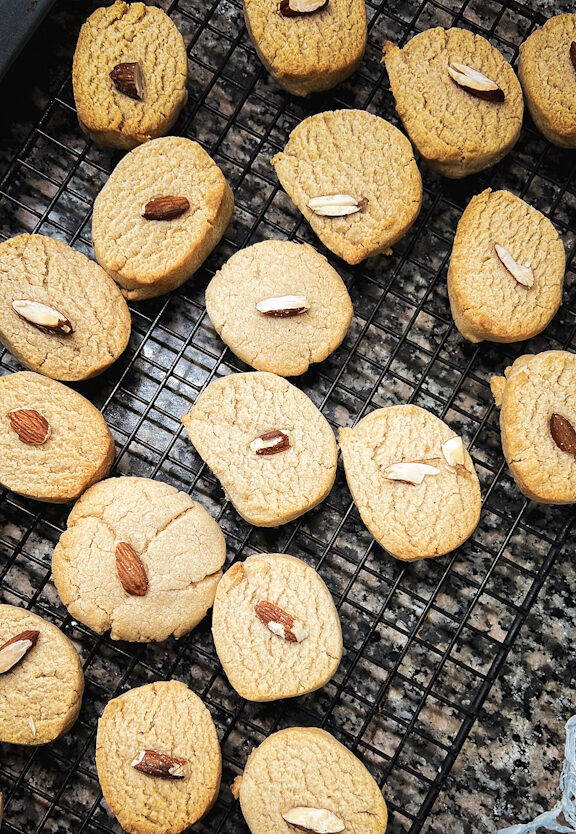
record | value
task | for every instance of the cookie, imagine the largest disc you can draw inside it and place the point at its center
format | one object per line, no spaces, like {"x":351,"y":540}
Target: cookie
{"x":158,"y":758}
{"x":41,"y":679}
{"x":308,"y":45}
{"x":162,"y":211}
{"x":354,"y":178}
{"x":537,"y":398}
{"x":279,"y":306}
{"x":139,"y":558}
{"x":506,"y":270}
{"x":458,"y":98}
{"x":547,"y":71}
{"x":412,"y":480}
{"x":303,"y":778}
{"x":275,"y":627}
{"x":129,"y":75}
{"x":269,"y":446}
{"x":60,"y":313}
{"x":53,"y":443}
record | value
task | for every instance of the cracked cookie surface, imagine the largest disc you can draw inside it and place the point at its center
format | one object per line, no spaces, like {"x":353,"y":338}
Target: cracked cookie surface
{"x":179,"y":544}
{"x":40,"y":697}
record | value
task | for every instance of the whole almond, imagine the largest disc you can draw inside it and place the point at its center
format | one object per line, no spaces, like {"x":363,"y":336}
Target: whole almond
{"x":475,"y":82}
{"x":127,"y":78}
{"x":271,"y":442}
{"x":165,"y":208}
{"x":130,"y":570}
{"x":42,"y":316}
{"x":154,"y":763}
{"x":14,"y":649}
{"x":410,"y":472}
{"x":337,"y":205}
{"x":573,"y":53}
{"x":316,"y":820}
{"x":563,"y":434}
{"x":280,"y":622}
{"x":300,"y":8}
{"x":30,"y":426}
{"x":523,"y":273}
{"x":283,"y":306}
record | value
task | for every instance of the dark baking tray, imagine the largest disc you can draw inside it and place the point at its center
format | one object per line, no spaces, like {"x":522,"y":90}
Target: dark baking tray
{"x":19,"y":19}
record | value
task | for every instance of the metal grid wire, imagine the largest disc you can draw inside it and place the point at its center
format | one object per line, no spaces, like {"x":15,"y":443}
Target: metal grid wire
{"x":424,"y":642}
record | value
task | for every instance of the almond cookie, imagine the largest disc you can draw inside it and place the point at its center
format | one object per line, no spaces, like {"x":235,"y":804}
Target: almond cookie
{"x":303,"y":778}
{"x":162,"y":211}
{"x":308,"y":45}
{"x":269,"y":446}
{"x":139,"y":558}
{"x":41,"y":679}
{"x":158,"y":758}
{"x":354,"y":178}
{"x":275,"y":628}
{"x":506,"y":270}
{"x":53,"y":443}
{"x":129,"y":75}
{"x":412,"y":480}
{"x":537,"y":398}
{"x":458,"y":98}
{"x":279,"y":306}
{"x":547,"y":70}
{"x":61,"y":314}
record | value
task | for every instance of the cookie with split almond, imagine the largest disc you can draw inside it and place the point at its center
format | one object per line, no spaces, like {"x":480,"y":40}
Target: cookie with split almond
{"x":537,"y":401}
{"x":354,"y":178}
{"x":275,"y":628}
{"x":41,"y":679}
{"x":138,"y":558}
{"x":302,"y":778}
{"x":412,"y":481}
{"x":162,"y":211}
{"x":506,"y":269}
{"x":458,"y":97}
{"x":547,"y":72}
{"x":129,"y":74}
{"x":158,"y":758}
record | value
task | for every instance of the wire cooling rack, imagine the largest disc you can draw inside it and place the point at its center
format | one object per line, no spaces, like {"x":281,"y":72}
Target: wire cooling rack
{"x":424,"y":642}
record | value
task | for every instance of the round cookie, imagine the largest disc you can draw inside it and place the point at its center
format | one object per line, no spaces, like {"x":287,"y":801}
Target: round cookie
{"x":547,"y":71}
{"x":453,"y":129}
{"x":187,"y":203}
{"x":127,"y":111}
{"x":537,"y":397}
{"x":417,"y":497}
{"x":271,"y":275}
{"x":265,"y":661}
{"x":307,"y":52}
{"x":158,"y":758}
{"x":37,"y":271}
{"x":269,"y":446}
{"x":162,"y":583}
{"x":357,"y":156}
{"x":40,"y":694}
{"x":53,"y":443}
{"x":306,"y":768}
{"x":490,"y":300}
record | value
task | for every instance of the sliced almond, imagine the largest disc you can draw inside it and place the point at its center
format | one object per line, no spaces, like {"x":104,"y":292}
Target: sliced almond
{"x":127,"y":78}
{"x":165,"y":208}
{"x":336,"y":205}
{"x":298,"y":8}
{"x":279,"y":622}
{"x":130,"y":570}
{"x":563,"y":434}
{"x":523,"y":273}
{"x":30,"y":426}
{"x":317,"y":820}
{"x":14,"y":649}
{"x":32,"y":726}
{"x":409,"y":472}
{"x":154,"y":763}
{"x":282,"y":306}
{"x":453,"y":451}
{"x":573,"y":53}
{"x":474,"y":82}
{"x":43,"y":316}
{"x":271,"y":442}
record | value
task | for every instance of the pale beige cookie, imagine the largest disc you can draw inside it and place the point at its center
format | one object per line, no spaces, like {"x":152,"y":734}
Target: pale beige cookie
{"x":308,"y":51}
{"x":172,"y":179}
{"x":547,"y":70}
{"x":41,"y":679}
{"x":367,"y":166}
{"x":129,"y":34}
{"x":173,"y":784}
{"x":506,"y":270}
{"x":537,"y":397}
{"x":454,"y":130}
{"x":418,"y":497}
{"x":139,"y":558}
{"x":53,"y":443}
{"x":60,"y":313}
{"x":267,"y":443}
{"x":306,"y":768}
{"x":279,"y":306}
{"x":275,"y":628}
